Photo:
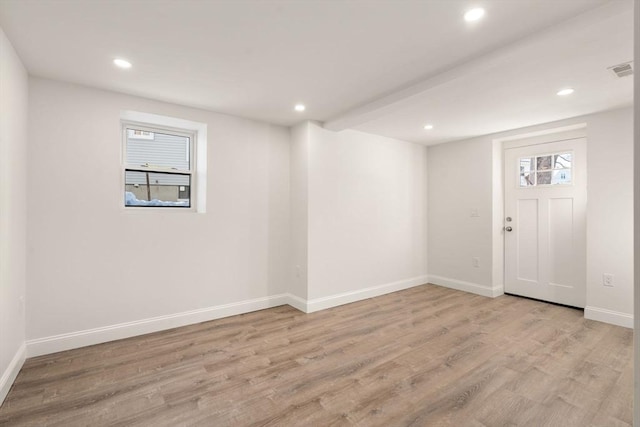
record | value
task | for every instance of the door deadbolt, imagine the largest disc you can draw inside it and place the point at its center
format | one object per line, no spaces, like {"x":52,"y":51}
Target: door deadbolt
{"x":508,"y":229}
{"x":508,"y":219}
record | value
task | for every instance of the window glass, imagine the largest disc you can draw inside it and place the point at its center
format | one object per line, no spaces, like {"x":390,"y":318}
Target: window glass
{"x":157,"y":189}
{"x":549,"y":169}
{"x":543,"y":178}
{"x":562,"y":161}
{"x":157,"y":170}
{"x":543,"y":163}
{"x":561,"y":176}
{"x":158,"y":150}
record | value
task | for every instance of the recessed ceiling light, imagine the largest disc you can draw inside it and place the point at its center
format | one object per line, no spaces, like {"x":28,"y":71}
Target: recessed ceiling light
{"x":122,"y":63}
{"x":300,"y":107}
{"x":428,"y":127}
{"x":474,"y":14}
{"x":565,"y":92}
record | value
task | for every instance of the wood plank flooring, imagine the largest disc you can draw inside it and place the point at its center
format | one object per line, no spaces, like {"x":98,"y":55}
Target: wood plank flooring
{"x":427,"y":356}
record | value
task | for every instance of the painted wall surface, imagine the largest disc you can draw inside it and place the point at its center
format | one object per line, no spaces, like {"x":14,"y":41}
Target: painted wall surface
{"x":95,"y":264}
{"x":460,"y":176}
{"x":367,"y":212}
{"x":299,"y":209}
{"x":13,"y":163}
{"x":454,"y":190}
{"x":610,"y":210}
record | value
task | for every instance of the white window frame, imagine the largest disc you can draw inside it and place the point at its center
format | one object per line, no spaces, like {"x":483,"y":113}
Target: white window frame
{"x":153,"y":128}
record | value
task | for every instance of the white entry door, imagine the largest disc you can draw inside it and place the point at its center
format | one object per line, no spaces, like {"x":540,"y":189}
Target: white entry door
{"x":545,"y":221}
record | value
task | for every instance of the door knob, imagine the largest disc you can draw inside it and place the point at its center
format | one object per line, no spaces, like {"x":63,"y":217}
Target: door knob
{"x":508,"y":229}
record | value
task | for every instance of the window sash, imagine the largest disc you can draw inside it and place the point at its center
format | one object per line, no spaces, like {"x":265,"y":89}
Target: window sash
{"x":158,"y":170}
{"x":162,"y":130}
{"x":191,"y":173}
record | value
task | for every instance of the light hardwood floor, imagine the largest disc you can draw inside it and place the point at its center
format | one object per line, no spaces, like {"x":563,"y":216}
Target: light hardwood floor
{"x":427,"y":356}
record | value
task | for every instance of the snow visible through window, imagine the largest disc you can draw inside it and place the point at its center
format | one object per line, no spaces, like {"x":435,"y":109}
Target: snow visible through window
{"x":130,"y":199}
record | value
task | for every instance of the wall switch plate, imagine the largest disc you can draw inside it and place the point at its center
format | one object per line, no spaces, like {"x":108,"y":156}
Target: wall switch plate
{"x":607,"y":279}
{"x":476,"y":262}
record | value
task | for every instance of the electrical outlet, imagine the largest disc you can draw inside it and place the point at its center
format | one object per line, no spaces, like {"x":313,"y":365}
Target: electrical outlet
{"x":476,"y":262}
{"x":607,"y":279}
{"x":474,"y":213}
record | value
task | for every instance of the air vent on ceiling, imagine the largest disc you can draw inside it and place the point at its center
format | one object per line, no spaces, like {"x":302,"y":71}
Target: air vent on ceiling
{"x":622,"y":70}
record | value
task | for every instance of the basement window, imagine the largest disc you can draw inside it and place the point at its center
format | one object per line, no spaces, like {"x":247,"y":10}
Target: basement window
{"x":158,"y":166}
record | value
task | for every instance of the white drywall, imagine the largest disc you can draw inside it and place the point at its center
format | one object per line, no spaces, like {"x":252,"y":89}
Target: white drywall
{"x":367,"y":207}
{"x":461,"y":177}
{"x":610,"y":214}
{"x":94,"y":265}
{"x":13,"y":219}
{"x":299,"y":210}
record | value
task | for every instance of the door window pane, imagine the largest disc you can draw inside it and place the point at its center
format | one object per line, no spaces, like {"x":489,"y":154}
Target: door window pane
{"x":549,"y":169}
{"x":527,"y":179}
{"x":562,"y":176}
{"x":527,"y":164}
{"x":543,"y":178}
{"x":543,"y":163}
{"x":562,"y":161}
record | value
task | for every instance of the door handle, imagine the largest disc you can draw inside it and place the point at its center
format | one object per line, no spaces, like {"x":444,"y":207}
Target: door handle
{"x":508,"y":228}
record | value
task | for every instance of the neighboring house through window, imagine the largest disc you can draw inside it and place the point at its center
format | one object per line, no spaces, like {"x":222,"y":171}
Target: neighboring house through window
{"x":158,"y":166}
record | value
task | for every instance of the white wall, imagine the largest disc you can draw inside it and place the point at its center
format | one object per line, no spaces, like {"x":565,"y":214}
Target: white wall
{"x":13,"y":162}
{"x":460,"y":177}
{"x":299,"y":210}
{"x":94,"y":266}
{"x":469,"y":184}
{"x":367,"y":211}
{"x":610,"y":214}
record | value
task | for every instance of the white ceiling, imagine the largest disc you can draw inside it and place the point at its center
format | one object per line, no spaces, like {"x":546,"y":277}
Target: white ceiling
{"x":384,"y":67}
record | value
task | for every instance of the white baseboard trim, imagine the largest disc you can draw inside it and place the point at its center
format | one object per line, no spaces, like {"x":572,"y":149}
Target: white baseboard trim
{"x":323,"y":303}
{"x":297,"y":302}
{"x":56,"y":343}
{"x":609,"y":316}
{"x":68,"y":341}
{"x":9,"y":375}
{"x":473,"y":288}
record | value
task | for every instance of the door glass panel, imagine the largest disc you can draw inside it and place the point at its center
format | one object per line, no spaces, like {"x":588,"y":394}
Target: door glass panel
{"x":526,"y":165}
{"x":562,"y":161}
{"x":562,"y":176}
{"x":543,"y":163}
{"x":527,"y":179}
{"x":543,"y":178}
{"x":549,"y":169}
